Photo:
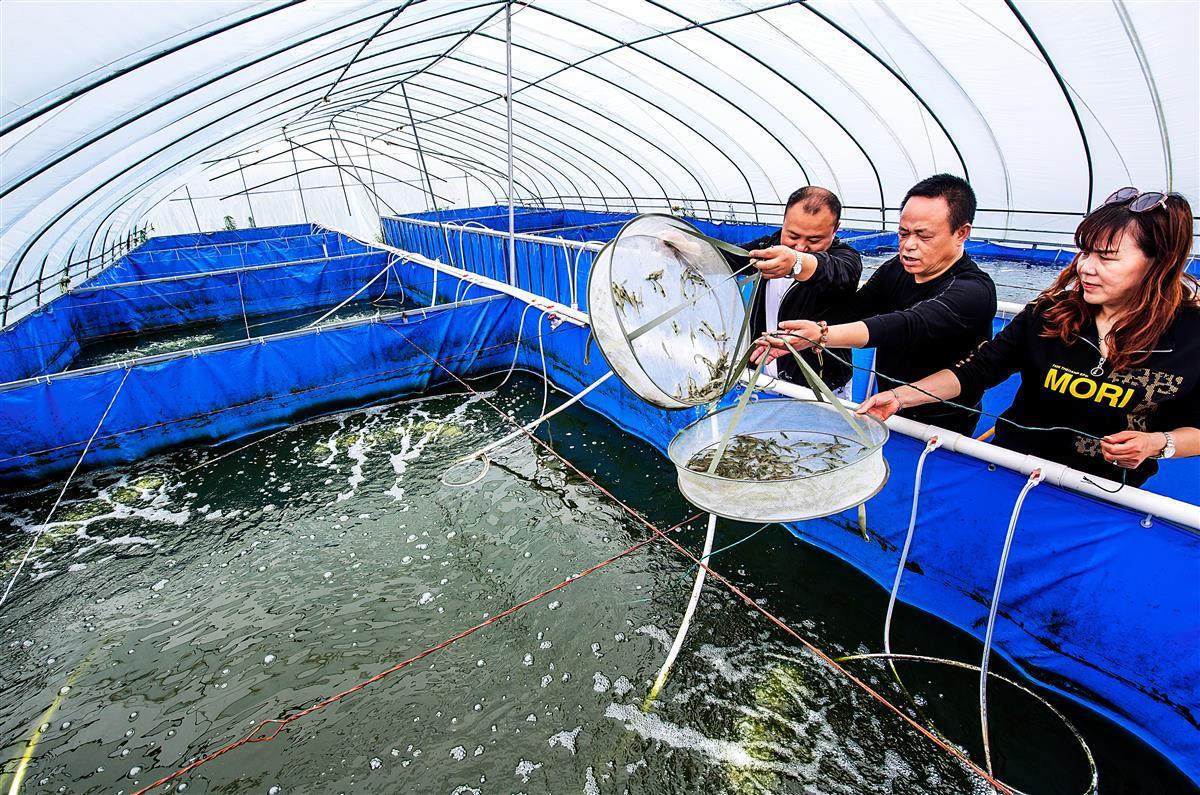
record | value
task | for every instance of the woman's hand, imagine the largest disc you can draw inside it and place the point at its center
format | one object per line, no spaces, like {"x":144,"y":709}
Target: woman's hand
{"x":1128,"y":449}
{"x":881,"y":405}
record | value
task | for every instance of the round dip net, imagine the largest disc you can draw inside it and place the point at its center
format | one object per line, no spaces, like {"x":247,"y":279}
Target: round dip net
{"x":672,"y":320}
{"x":782,"y":460}
{"x":668,"y":313}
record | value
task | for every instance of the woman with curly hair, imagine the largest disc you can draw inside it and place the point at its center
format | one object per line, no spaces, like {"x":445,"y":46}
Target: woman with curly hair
{"x":1109,"y":355}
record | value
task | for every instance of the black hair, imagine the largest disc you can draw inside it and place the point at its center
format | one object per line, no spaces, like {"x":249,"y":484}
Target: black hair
{"x":814,"y":198}
{"x":957,"y":192}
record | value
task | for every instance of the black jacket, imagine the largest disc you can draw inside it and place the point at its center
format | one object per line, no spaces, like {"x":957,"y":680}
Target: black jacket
{"x":1070,"y":386}
{"x":918,"y":329}
{"x":835,"y":280}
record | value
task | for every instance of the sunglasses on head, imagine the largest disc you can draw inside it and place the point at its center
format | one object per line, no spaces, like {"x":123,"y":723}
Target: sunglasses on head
{"x":1138,"y":202}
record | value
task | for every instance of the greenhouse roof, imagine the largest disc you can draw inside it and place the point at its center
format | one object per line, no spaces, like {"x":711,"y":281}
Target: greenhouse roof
{"x":124,"y":116}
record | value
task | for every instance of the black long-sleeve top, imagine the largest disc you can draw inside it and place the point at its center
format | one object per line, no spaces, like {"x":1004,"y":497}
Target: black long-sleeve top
{"x":918,"y":329}
{"x":839,"y":269}
{"x":1070,"y":385}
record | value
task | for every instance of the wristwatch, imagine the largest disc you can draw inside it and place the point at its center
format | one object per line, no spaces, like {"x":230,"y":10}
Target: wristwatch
{"x":1168,"y":448}
{"x":797,"y":267}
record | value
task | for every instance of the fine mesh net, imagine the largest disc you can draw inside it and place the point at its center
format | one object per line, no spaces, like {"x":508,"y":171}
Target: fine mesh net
{"x":786,"y":460}
{"x":667,"y":312}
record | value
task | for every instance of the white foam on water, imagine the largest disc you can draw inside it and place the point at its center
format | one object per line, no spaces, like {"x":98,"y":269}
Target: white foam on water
{"x":719,"y":659}
{"x":458,"y":753}
{"x":590,"y":787}
{"x":566,"y":739}
{"x":600,"y":682}
{"x":658,"y":633}
{"x":357,"y":454}
{"x":525,"y":769}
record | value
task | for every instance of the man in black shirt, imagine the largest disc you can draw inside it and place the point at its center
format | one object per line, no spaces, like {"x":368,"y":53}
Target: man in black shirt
{"x":923,"y":310}
{"x":806,"y":270}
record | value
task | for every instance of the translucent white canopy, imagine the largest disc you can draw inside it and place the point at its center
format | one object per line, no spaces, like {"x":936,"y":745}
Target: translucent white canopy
{"x":120,"y":116}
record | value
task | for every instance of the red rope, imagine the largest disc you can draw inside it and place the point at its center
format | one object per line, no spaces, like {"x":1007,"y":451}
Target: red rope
{"x":999,"y":786}
{"x":278,"y":724}
{"x":256,"y":735}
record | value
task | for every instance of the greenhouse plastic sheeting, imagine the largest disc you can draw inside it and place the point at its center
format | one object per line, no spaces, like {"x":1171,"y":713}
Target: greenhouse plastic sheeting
{"x":1096,"y":606}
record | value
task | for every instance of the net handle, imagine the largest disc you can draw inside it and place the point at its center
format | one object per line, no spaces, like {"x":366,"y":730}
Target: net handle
{"x":822,"y":389}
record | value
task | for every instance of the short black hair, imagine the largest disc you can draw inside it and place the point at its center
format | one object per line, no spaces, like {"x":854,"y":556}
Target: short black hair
{"x":814,"y":198}
{"x":957,"y":192}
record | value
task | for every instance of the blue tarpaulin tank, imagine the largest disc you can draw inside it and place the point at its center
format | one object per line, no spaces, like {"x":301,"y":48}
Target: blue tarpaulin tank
{"x":1100,"y":601}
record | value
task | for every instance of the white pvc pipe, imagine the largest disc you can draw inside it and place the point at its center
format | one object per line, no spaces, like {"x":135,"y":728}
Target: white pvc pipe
{"x":1130,"y":497}
{"x":688,"y":612}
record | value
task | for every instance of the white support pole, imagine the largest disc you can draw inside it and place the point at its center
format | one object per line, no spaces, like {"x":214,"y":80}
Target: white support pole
{"x":508,"y":102}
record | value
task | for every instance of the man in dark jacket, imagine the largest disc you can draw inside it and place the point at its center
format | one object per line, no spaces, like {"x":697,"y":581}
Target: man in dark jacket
{"x":806,"y":270}
{"x":923,"y":310}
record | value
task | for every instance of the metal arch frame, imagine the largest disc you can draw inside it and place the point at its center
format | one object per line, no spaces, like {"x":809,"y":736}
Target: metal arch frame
{"x":80,"y":91}
{"x":798,"y":89}
{"x":399,"y":144}
{"x":1135,"y":43}
{"x":340,"y":169}
{"x":29,"y":243}
{"x":569,"y":65}
{"x":258,"y":188}
{"x":159,"y":105}
{"x":569,"y":124}
{"x":349,"y":64}
{"x":969,"y":102}
{"x":504,"y":4}
{"x":1062,"y":85}
{"x":900,"y":78}
{"x":540,"y":147}
{"x":574,"y":103}
{"x":686,"y":76}
{"x":269,"y":158}
{"x":531,"y":164}
{"x":318,"y":125}
{"x":277,"y":52}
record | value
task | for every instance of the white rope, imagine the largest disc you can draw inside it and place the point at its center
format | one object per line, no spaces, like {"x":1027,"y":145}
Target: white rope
{"x":688,"y":612}
{"x":482,"y":452}
{"x":508,"y":108}
{"x":242,"y":301}
{"x":355,"y":294}
{"x":61,"y":493}
{"x":1034,"y":478}
{"x":933,"y":444}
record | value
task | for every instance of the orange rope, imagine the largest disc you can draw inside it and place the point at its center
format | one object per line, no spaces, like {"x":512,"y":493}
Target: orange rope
{"x":276,"y":725}
{"x":963,"y":758}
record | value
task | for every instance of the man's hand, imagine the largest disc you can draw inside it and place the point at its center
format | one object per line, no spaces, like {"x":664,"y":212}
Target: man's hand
{"x":774,"y":262}
{"x":1128,"y":449}
{"x":808,"y":332}
{"x":774,"y":345}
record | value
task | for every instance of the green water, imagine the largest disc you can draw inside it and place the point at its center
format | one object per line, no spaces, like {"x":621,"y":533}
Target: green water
{"x":121,"y":347}
{"x":183,"y":607}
